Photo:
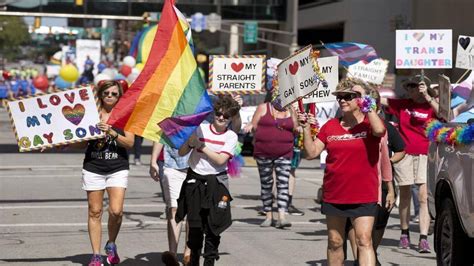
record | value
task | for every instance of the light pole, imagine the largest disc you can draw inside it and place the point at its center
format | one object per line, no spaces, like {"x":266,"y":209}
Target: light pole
{"x":294,"y":38}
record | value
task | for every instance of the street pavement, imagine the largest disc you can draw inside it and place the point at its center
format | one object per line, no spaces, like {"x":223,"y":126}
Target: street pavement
{"x":43,"y":217}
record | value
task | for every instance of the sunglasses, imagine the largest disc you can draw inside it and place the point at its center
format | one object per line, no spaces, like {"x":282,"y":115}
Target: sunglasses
{"x":218,"y":114}
{"x":347,"y":97}
{"x":108,"y":93}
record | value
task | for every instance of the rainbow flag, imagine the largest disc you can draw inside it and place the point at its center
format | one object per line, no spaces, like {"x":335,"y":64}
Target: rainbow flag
{"x":169,"y":86}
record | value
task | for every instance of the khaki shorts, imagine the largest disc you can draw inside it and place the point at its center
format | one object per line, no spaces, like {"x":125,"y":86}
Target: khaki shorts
{"x":172,"y":181}
{"x":411,"y":170}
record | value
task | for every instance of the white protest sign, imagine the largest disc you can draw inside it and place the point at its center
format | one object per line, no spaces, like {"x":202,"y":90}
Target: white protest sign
{"x":424,"y":49}
{"x":246,"y":114}
{"x":329,"y":67}
{"x":242,"y":73}
{"x":465,"y":52}
{"x":297,"y":76}
{"x":55,"y":119}
{"x":373,"y":72}
{"x":87,"y":48}
{"x":444,"y":97}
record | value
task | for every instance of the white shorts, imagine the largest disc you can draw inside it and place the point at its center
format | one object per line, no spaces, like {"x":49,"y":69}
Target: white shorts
{"x":411,"y":170}
{"x":172,"y":181}
{"x":92,"y":181}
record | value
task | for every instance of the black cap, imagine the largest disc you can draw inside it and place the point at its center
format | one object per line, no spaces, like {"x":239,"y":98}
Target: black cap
{"x":417,"y":80}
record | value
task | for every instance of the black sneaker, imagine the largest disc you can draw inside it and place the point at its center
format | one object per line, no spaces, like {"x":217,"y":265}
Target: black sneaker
{"x":294,"y":211}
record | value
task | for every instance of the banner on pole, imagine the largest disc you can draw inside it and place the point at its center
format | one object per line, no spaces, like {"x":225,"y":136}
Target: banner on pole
{"x":424,"y":49}
{"x":55,"y":119}
{"x":373,"y":72}
{"x":242,"y":73}
{"x":297,"y":76}
{"x":444,"y":97}
{"x":330,"y":70}
{"x":465,"y":52}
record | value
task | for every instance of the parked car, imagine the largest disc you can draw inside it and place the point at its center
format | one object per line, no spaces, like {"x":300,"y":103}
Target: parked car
{"x":451,"y":201}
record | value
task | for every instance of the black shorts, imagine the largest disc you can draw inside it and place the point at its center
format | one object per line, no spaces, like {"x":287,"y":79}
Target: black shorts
{"x":349,"y":210}
{"x":381,"y":219}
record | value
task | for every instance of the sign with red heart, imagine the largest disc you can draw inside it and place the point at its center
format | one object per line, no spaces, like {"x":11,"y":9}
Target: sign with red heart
{"x":55,"y":119}
{"x":293,"y":68}
{"x":297,"y":76}
{"x":237,"y":67}
{"x":237,"y":74}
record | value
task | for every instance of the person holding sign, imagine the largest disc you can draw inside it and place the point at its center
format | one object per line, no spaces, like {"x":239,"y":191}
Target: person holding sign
{"x":350,"y":186}
{"x":273,"y":128}
{"x":413,"y":113}
{"x":106,"y":168}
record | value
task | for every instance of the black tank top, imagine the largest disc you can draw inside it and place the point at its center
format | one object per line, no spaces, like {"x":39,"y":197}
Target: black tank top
{"x":105,"y":156}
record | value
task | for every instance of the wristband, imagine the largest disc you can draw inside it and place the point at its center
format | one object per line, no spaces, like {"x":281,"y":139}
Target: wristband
{"x":367,"y":104}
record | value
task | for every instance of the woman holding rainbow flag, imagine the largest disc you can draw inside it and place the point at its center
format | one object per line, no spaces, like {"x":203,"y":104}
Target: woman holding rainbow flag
{"x":204,"y":196}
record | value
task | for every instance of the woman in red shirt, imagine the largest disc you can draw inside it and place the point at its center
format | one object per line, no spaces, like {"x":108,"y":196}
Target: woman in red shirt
{"x":350,"y":180}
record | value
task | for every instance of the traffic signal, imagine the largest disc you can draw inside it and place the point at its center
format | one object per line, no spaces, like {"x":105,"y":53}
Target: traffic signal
{"x":37,"y":23}
{"x":79,"y":2}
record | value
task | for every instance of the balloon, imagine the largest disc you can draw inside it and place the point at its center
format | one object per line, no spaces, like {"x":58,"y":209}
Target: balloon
{"x":6,"y":75}
{"x":129,"y":61}
{"x":140,"y":66}
{"x":100,"y":77}
{"x":41,"y":82}
{"x":125,"y":70}
{"x":136,"y":70}
{"x":61,"y":83}
{"x":119,"y":77}
{"x":132,"y":77}
{"x":109,"y":72}
{"x":101,"y":67}
{"x":69,"y":73}
{"x":123,"y":84}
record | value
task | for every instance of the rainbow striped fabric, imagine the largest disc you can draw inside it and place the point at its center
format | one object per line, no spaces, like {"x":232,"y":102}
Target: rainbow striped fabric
{"x":350,"y":53}
{"x":169,"y":86}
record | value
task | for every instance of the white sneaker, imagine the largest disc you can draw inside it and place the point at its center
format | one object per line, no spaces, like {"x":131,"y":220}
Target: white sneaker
{"x":138,"y":162}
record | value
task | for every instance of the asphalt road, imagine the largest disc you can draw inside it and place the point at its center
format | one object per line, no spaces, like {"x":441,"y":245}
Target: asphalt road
{"x":43,"y":217}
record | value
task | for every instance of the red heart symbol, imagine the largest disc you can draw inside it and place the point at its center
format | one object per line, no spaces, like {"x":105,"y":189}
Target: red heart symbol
{"x":237,"y":67}
{"x":75,"y":114}
{"x":293,"y":68}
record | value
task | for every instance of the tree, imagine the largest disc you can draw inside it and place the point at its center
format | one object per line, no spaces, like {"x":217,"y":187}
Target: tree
{"x":13,"y":34}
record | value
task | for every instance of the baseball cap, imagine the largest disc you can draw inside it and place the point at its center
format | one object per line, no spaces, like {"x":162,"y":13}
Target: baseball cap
{"x":415,"y":80}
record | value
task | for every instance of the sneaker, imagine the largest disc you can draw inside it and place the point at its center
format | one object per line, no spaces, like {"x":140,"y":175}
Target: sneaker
{"x":424,"y":246}
{"x":416,"y":219}
{"x":267,"y":223}
{"x":282,"y":224}
{"x":138,"y":162}
{"x":404,"y":242}
{"x":163,"y":216}
{"x":112,"y":255}
{"x":169,"y":259}
{"x":96,"y":260}
{"x":294,"y":211}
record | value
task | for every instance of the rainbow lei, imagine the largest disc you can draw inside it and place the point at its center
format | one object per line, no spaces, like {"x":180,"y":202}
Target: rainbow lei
{"x":367,"y":104}
{"x":459,"y":135}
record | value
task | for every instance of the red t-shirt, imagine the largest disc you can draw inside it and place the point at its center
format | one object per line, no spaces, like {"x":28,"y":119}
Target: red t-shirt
{"x":412,"y":117}
{"x":351,"y":175}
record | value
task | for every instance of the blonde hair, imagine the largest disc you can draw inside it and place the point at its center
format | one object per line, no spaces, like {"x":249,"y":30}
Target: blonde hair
{"x":349,"y":83}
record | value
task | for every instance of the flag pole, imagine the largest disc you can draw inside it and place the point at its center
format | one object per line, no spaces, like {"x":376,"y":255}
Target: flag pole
{"x":463,"y":75}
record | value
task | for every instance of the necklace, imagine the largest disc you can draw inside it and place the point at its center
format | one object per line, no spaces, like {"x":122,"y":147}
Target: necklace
{"x":275,"y":119}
